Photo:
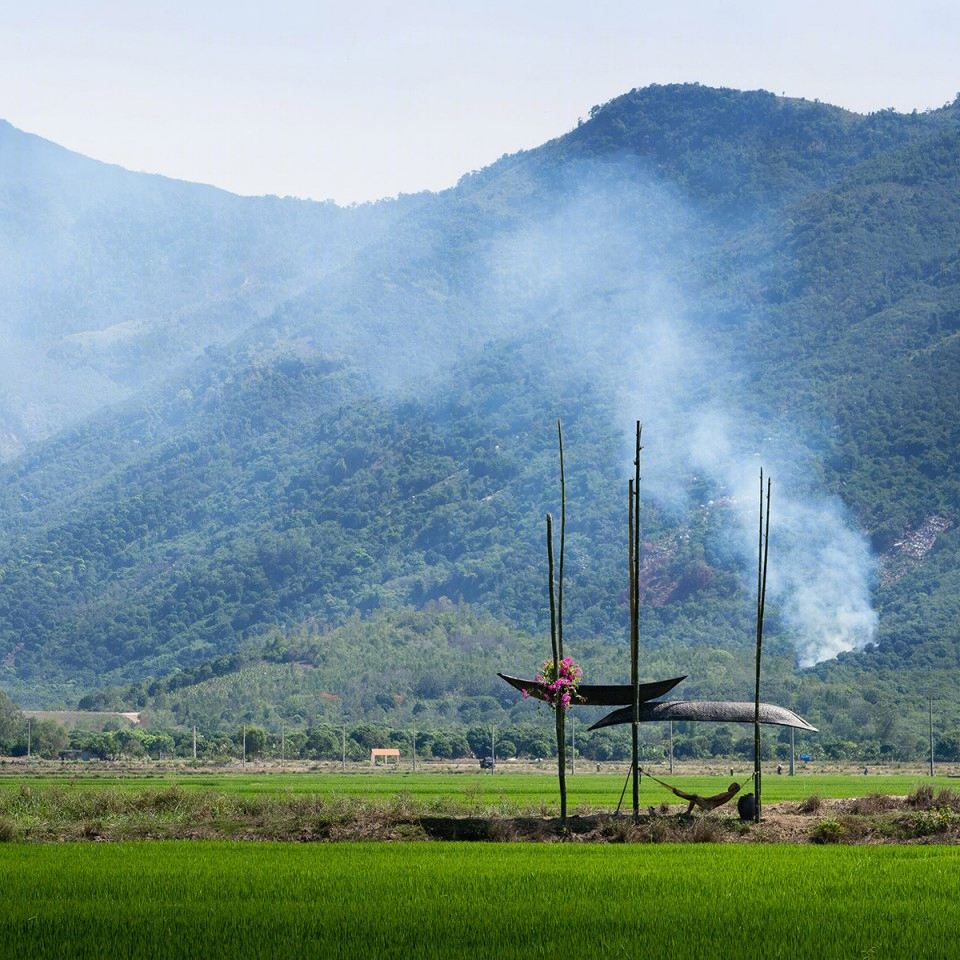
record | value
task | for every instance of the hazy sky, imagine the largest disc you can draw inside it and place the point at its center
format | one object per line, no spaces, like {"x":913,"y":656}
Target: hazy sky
{"x":356,"y":101}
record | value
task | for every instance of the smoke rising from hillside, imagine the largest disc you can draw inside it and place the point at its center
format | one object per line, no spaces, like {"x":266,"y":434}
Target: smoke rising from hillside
{"x":612,"y":283}
{"x":820,"y":566}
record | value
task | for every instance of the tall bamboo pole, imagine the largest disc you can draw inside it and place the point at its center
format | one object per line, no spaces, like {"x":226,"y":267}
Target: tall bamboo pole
{"x":756,"y":714}
{"x":552,"y":590}
{"x":634,"y":672}
{"x":563,"y":537}
{"x":635,"y":621}
{"x":761,"y":600}
{"x":560,"y":707}
{"x":557,"y":657}
{"x":573,"y":745}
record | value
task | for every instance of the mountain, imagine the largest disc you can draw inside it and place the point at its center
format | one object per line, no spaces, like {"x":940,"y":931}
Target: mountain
{"x":343,"y":416}
{"x":112,"y":280}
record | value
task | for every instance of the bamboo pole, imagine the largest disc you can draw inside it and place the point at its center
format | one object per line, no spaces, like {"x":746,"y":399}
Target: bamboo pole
{"x":762,"y":554}
{"x":553,"y":595}
{"x":557,"y":657}
{"x":563,"y":537}
{"x":573,"y":746}
{"x":671,"y":746}
{"x":634,"y":517}
{"x":756,"y":714}
{"x":634,"y":751}
{"x":560,"y":707}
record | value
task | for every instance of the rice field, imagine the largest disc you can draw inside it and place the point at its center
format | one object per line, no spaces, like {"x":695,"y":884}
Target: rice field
{"x":428,"y":900}
{"x":503,"y":792}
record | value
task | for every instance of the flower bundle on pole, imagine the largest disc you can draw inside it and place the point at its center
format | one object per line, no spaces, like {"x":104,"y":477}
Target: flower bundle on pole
{"x":559,"y":682}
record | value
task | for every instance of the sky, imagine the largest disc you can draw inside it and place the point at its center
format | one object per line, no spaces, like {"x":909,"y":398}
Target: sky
{"x":358,"y":101}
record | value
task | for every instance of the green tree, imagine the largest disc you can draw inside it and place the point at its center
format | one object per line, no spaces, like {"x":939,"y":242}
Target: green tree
{"x":47,"y":739}
{"x":10,"y":720}
{"x":256,"y":741}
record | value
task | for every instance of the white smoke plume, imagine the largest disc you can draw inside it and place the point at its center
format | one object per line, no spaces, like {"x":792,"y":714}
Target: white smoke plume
{"x":820,"y":567}
{"x":614,"y":280}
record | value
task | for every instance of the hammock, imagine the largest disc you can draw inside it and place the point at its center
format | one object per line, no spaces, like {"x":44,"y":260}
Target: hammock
{"x":695,"y":800}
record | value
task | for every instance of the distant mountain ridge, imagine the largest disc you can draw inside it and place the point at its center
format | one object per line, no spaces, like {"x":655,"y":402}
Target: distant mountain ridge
{"x":368,"y":424}
{"x":113,"y":280}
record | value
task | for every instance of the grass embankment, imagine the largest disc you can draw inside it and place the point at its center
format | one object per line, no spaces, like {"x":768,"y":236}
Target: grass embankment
{"x":499,"y":901}
{"x":240,"y":808}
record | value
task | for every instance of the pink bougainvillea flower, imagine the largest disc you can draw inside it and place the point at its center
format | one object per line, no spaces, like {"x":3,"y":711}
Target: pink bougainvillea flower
{"x":559,"y":685}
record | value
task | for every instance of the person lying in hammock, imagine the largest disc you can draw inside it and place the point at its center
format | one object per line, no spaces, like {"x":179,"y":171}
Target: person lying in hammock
{"x":695,"y":800}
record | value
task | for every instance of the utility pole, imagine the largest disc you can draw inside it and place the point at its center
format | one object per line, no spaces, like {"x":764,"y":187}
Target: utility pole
{"x":493,"y":747}
{"x":29,"y":735}
{"x":244,"y":728}
{"x":792,"y":753}
{"x":671,"y":746}
{"x":414,"y":749}
{"x":194,"y":741}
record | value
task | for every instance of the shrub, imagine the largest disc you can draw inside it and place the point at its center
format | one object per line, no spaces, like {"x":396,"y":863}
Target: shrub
{"x":827,"y":831}
{"x":926,"y":823}
{"x":705,"y":831}
{"x":872,"y":804}
{"x":922,"y":799}
{"x":948,"y":799}
{"x":619,"y":830}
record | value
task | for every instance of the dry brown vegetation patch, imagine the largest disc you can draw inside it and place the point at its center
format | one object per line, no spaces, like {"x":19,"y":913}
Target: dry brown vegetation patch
{"x":52,"y":814}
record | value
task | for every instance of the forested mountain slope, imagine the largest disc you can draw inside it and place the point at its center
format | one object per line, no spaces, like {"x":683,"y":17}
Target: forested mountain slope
{"x":112,"y":279}
{"x":764,"y":282}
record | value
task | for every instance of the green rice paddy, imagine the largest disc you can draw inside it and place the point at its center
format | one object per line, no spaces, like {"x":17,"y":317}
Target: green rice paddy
{"x":475,"y":790}
{"x":227,"y":899}
{"x":426,"y":900}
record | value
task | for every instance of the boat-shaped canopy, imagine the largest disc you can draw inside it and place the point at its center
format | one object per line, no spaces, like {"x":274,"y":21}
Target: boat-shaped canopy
{"x":598,"y":694}
{"x":714,"y":711}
